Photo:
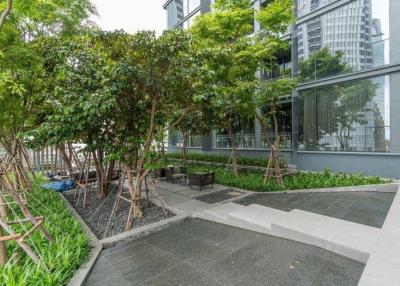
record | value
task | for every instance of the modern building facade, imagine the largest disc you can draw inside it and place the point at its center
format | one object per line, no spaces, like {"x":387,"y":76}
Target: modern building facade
{"x":345,"y":113}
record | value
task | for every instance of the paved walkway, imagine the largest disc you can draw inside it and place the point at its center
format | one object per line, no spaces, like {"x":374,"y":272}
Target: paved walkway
{"x":197,"y":252}
{"x":368,"y":208}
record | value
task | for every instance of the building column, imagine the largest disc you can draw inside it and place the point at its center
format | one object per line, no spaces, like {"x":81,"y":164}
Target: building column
{"x":394,"y":9}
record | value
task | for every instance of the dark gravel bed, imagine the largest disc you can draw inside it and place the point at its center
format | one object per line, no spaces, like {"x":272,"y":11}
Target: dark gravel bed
{"x":219,"y":196}
{"x":98,"y":212}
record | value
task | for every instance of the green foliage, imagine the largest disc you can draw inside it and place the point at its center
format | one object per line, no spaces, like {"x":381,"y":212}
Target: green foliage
{"x":277,"y":16}
{"x":63,"y":258}
{"x":219,"y":159}
{"x":254,"y":180}
{"x":22,"y":76}
{"x":79,"y":74}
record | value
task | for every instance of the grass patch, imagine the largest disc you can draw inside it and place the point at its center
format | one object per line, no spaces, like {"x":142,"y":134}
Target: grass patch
{"x":254,"y":181}
{"x":62,"y":258}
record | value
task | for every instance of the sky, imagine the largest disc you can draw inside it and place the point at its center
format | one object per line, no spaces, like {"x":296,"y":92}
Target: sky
{"x":131,"y":15}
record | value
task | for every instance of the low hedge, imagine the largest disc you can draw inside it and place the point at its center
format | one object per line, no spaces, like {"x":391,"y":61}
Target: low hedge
{"x":218,"y":159}
{"x":62,"y":258}
{"x":254,"y":180}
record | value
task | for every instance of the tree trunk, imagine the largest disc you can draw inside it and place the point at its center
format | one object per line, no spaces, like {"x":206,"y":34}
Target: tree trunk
{"x":233,"y":150}
{"x":110,"y":172}
{"x":98,"y":157}
{"x":6,"y":12}
{"x":67,"y":160}
{"x":3,"y":215}
{"x":276,"y":150}
{"x":184,"y":148}
{"x":141,"y":172}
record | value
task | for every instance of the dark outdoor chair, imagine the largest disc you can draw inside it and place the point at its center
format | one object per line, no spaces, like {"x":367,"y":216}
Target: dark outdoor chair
{"x":176,"y":173}
{"x":202,"y":179}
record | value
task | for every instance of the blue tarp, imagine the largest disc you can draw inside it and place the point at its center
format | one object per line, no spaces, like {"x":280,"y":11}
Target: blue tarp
{"x":60,"y":186}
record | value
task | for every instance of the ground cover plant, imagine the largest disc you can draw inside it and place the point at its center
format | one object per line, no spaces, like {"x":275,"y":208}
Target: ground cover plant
{"x":62,"y":258}
{"x":253,"y":180}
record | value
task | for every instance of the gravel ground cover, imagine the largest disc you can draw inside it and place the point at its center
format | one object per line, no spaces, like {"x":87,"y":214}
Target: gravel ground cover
{"x":97,"y":214}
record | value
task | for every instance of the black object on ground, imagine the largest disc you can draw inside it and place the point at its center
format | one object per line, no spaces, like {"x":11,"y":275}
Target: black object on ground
{"x":201,"y":179}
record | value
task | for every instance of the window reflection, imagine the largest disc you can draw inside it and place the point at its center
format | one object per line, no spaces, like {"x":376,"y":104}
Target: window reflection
{"x":354,"y":37}
{"x":351,"y":116}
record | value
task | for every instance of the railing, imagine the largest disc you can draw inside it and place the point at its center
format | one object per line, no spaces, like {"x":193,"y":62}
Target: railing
{"x":358,"y":139}
{"x":285,"y":139}
{"x":244,"y":141}
{"x":193,"y":142}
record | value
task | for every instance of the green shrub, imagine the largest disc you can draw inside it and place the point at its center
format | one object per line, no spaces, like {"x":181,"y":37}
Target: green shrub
{"x":254,"y":180}
{"x":63,"y":258}
{"x":219,"y":159}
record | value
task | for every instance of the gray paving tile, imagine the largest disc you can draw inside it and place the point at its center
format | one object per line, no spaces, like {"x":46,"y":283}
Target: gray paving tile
{"x":369,"y":208}
{"x":182,"y":274}
{"x":197,"y":252}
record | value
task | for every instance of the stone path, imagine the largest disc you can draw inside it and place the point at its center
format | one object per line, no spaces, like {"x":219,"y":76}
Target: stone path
{"x":197,"y":252}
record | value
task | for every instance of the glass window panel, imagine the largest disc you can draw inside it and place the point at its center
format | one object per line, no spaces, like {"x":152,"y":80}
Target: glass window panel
{"x":174,"y":12}
{"x":351,"y":116}
{"x":193,"y":4}
{"x":189,"y":22}
{"x":306,"y":6}
{"x":351,"y":38}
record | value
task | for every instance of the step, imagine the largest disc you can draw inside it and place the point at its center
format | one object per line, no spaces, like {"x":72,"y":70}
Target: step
{"x":222,"y":211}
{"x":346,"y":238}
{"x":384,"y":263}
{"x":258,"y":215}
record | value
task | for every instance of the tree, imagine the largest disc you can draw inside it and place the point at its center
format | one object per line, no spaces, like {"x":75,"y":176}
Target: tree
{"x":234,"y":55}
{"x":267,"y":99}
{"x":83,"y":108}
{"x":155,"y":88}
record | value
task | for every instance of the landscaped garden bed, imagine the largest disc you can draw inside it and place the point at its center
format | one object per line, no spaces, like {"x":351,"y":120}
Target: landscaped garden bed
{"x":62,"y":258}
{"x":253,"y":180}
{"x":97,"y":214}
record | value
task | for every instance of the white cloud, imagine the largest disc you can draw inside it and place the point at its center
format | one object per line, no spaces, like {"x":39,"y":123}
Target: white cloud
{"x":131,"y":15}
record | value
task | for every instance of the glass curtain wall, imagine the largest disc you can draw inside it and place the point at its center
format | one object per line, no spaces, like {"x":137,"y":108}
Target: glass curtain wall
{"x":350,"y":116}
{"x":245,"y":135}
{"x":354,"y":37}
{"x":177,"y":10}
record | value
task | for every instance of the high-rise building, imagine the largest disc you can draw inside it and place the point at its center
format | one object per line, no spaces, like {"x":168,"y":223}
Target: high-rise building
{"x":344,"y":114}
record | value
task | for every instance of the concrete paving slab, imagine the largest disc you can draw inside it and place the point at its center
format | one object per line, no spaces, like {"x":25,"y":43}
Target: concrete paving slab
{"x":257,"y":214}
{"x":193,"y":192}
{"x":384,"y":262}
{"x":339,"y":236}
{"x":190,"y":206}
{"x":173,"y":199}
{"x":176,"y":187}
{"x":223,"y":210}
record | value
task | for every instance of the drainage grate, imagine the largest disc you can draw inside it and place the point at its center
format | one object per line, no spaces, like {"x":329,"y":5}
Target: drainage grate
{"x":219,"y":196}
